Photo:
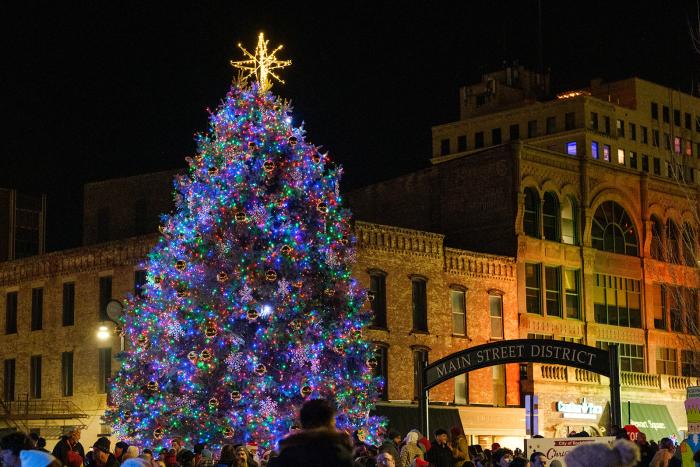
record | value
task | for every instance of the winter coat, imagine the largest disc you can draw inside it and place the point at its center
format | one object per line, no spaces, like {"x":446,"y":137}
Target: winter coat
{"x":409,"y":452}
{"x":63,"y":447}
{"x":461,"y":450}
{"x":440,"y":455}
{"x":314,"y":448}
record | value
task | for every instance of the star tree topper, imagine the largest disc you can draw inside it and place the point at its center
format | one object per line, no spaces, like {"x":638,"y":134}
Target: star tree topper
{"x":261,"y":64}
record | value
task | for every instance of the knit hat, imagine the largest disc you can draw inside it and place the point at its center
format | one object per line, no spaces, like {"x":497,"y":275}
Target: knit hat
{"x":411,"y":438}
{"x":31,"y":458}
{"x":102,"y":444}
{"x":623,"y":453}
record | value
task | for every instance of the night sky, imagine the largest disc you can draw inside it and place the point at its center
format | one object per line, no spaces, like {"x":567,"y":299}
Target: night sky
{"x":104,"y":89}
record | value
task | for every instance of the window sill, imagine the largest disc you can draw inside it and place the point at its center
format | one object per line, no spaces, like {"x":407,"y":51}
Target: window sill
{"x":378,"y":328}
{"x":416,"y":331}
{"x":462,"y":336}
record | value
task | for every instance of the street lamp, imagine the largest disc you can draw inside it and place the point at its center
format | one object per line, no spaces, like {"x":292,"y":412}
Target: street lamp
{"x":113,"y":310}
{"x":103,"y":333}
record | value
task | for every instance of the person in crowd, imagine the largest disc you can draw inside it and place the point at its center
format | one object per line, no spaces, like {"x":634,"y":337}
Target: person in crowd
{"x":147,"y":454}
{"x":101,"y":454}
{"x":538,"y":459}
{"x":185,"y":458}
{"x":440,"y":453}
{"x":119,"y":450}
{"x":228,"y":456}
{"x":132,"y":452}
{"x":418,"y":462}
{"x":135,"y":462}
{"x":502,"y":457}
{"x":251,"y":448}
{"x":36,"y":458}
{"x":318,"y":443}
{"x":202,"y":456}
{"x":676,"y":459}
{"x":622,"y":454}
{"x":424,"y":444}
{"x":385,"y":459}
{"x":410,"y":450}
{"x":519,"y":462}
{"x":68,"y":450}
{"x":392,"y":439}
{"x":664,"y":454}
{"x":171,"y":458}
{"x":242,"y":457}
{"x":41,"y":444}
{"x":556,"y":463}
{"x":645,"y":450}
{"x":11,"y":446}
{"x":460,"y":447}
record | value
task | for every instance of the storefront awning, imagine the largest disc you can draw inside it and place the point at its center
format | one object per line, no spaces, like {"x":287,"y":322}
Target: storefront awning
{"x":405,"y":417}
{"x":652,"y":420}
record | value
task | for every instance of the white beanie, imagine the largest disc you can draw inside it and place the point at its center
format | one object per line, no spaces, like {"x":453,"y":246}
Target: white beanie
{"x":411,"y":437}
{"x":33,"y":458}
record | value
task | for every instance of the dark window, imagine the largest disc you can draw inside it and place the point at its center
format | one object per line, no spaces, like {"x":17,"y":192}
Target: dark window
{"x":675,"y":310}
{"x":690,"y":363}
{"x":659,"y":304}
{"x":103,"y":224}
{"x":514,"y":132}
{"x":571,"y":289}
{"x":677,"y":117}
{"x":419,"y":356}
{"x":550,"y":217}
{"x":569,"y":121}
{"x":655,"y":138}
{"x":531,"y":224}
{"x":594,"y":150}
{"x":552,"y":281}
{"x":496,"y":136}
{"x":656,"y":249}
{"x":666,"y":363}
{"x":11,"y":313}
{"x":67,"y":374}
{"x":105,"y":370}
{"x":613,"y":230}
{"x":37,"y":308}
{"x":633,"y":159}
{"x":459,"y":312}
{"x":35,"y":377}
{"x":617,"y":301}
{"x":105,"y":296}
{"x":645,"y":135}
{"x":377,"y":286}
{"x":420,"y":304}
{"x":382,"y":370}
{"x":689,"y":245}
{"x":533,"y":291}
{"x":687,"y":121}
{"x":631,"y":356}
{"x":479,"y":140}
{"x":444,"y":147}
{"x":9,"y":380}
{"x":140,"y":282}
{"x":594,"y":120}
{"x":654,"y":111}
{"x":551,"y":125}
{"x":645,"y":163}
{"x":532,"y":128}
{"x":672,"y":244}
{"x":620,"y":128}
{"x":69,"y":304}
{"x":657,"y":166}
{"x":606,"y":121}
{"x":633,"y":131}
{"x":461,"y":143}
{"x":666,"y":114}
{"x":496,"y":313}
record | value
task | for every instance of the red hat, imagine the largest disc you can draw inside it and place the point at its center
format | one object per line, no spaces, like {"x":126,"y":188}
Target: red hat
{"x":421,"y":463}
{"x":251,"y":443}
{"x":426,"y":444}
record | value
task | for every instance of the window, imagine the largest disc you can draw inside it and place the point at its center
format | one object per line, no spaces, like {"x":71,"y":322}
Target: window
{"x":103,"y":224}
{"x":689,"y":245}
{"x":633,"y":131}
{"x":613,"y":230}
{"x":536,"y":336}
{"x":419,"y":356}
{"x":666,"y":361}
{"x":532,"y":288}
{"x":569,"y":225}
{"x":514,"y":132}
{"x":552,"y":281}
{"x":499,"y":385}
{"x":655,"y":138}
{"x":444,"y":147}
{"x":35,"y":377}
{"x":382,"y":370}
{"x":689,"y":148}
{"x":575,"y":340}
{"x":620,"y":128}
{"x":496,"y":312}
{"x":571,"y":289}
{"x":105,"y":296}
{"x":461,"y":143}
{"x":550,"y":217}
{"x":462,"y":389}
{"x":459,"y":312}
{"x":667,"y":141}
{"x":606,"y":122}
{"x":571,"y":148}
{"x":654,"y":111}
{"x":666,"y":114}
{"x":657,"y":166}
{"x":479,"y":140}
{"x":690,"y":363}
{"x":420,"y":305}
{"x":105,"y":369}
{"x":37,"y":308}
{"x":656,"y":246}
{"x":531,"y":224}
{"x":11,"y":313}
{"x":140,"y":282}
{"x":606,"y":152}
{"x":377,"y":286}
{"x":551,"y":123}
{"x":633,"y":159}
{"x":67,"y":374}
{"x":672,"y":245}
{"x":69,"y":304}
{"x":677,"y":117}
{"x":645,"y":163}
{"x":687,"y":121}
{"x":677,"y":145}
{"x":645,"y":135}
{"x":594,"y":150}
{"x":617,"y":301}
{"x":8,"y":386}
{"x":594,"y":121}
{"x":675,"y":311}
{"x":659,"y":304}
{"x":532,"y":128}
{"x":631,"y":356}
{"x":621,"y":156}
{"x":496,"y":136}
{"x":569,"y":121}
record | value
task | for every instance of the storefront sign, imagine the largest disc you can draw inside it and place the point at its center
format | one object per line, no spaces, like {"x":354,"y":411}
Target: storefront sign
{"x":558,"y":448}
{"x":582,"y":410}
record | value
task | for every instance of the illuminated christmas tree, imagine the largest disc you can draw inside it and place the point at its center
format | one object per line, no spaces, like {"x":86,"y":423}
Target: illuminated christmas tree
{"x":249,"y":307}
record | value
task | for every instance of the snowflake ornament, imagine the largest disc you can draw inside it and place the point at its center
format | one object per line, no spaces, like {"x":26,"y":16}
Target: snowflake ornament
{"x":174,"y":329}
{"x":282,"y":287}
{"x":268,"y":407}
{"x":246,"y":294}
{"x":235,"y":361}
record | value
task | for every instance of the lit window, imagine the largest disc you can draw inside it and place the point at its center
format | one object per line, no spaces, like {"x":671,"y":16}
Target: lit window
{"x":621,"y":156}
{"x":568,"y":222}
{"x":594,"y":150}
{"x":677,"y":145}
{"x":606,"y":152}
{"x":666,"y":361}
{"x":496,"y":312}
{"x":459,"y":312}
{"x":571,"y":148}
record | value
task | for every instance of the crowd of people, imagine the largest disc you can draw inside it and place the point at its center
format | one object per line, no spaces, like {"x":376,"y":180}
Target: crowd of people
{"x":316,"y":443}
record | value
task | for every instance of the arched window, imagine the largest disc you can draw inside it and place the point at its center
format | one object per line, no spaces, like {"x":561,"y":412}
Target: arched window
{"x":672,"y":243}
{"x":613,"y":231}
{"x":550,"y":217}
{"x":531,"y":219}
{"x":657,"y":245}
{"x":689,"y":245}
{"x":569,"y":224}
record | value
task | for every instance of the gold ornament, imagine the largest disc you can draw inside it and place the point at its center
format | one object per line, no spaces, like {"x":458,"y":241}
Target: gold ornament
{"x":261,"y":64}
{"x":222,"y":276}
{"x":205,"y":355}
{"x":158,"y":433}
{"x":119,"y":330}
{"x":127,"y":416}
{"x":252,"y":145}
{"x":240,"y":216}
{"x":292,"y":140}
{"x":286,"y":249}
{"x":330,"y":292}
{"x":161,"y":229}
{"x":157,"y":280}
{"x":306,"y":391}
{"x":271,"y":275}
{"x":181,"y":291}
{"x":180,"y":265}
{"x":371,"y":295}
{"x":141,"y":340}
{"x":213,"y":170}
{"x":316,"y":158}
{"x":298,"y":284}
{"x":152,"y":386}
{"x":213,"y":403}
{"x":192,"y":356}
{"x":372,"y":362}
{"x":228,"y":432}
{"x":210,"y":331}
{"x":295,"y":324}
{"x":344,"y":241}
{"x":260,"y":370}
{"x":252,"y":315}
{"x":236,"y":395}
{"x":322,"y":207}
{"x":268,"y":166}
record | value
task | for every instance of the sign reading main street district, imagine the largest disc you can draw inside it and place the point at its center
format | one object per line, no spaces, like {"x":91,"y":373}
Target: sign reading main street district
{"x":515,"y":351}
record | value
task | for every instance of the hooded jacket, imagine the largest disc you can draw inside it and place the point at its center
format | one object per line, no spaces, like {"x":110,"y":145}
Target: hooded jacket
{"x":314,"y":448}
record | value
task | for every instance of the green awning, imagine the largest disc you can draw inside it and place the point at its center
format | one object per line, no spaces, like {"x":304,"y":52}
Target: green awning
{"x":652,"y":420}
